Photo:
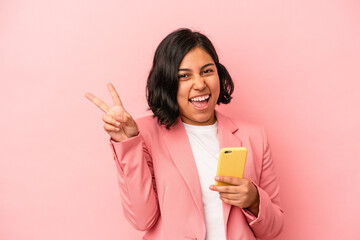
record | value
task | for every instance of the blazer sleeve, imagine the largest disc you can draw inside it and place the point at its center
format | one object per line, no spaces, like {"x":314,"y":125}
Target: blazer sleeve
{"x":269,"y":222}
{"x":136,"y":181}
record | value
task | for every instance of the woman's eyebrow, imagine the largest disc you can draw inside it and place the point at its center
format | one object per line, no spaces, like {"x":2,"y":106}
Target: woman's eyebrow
{"x":206,"y":65}
{"x":184,"y":69}
{"x":187,"y":69}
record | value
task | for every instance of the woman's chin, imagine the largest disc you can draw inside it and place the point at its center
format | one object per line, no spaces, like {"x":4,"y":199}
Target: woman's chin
{"x":200,"y":119}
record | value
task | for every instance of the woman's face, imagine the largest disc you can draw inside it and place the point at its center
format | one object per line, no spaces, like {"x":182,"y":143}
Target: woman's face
{"x":199,"y":88}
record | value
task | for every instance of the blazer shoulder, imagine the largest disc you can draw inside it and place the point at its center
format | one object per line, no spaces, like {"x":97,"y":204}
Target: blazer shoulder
{"x":248,"y":127}
{"x":148,"y":125}
{"x":255,"y":133}
{"x":146,"y":120}
{"x":243,"y":127}
{"x":247,"y":130}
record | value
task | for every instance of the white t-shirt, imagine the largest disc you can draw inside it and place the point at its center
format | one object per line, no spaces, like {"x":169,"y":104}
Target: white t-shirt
{"x":205,"y":147}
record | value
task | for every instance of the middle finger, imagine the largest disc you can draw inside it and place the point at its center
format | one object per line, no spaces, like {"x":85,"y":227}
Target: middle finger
{"x":114,"y":95}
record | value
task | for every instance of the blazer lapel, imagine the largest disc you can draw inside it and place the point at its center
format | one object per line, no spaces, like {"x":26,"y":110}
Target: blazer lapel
{"x":179,"y":147}
{"x":227,"y":138}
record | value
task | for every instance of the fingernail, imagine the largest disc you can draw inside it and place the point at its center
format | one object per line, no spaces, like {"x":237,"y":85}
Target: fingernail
{"x":117,"y":123}
{"x":217,"y":178}
{"x":117,"y":129}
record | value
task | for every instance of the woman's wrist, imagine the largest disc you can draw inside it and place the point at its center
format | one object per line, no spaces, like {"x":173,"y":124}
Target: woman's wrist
{"x":254,"y":208}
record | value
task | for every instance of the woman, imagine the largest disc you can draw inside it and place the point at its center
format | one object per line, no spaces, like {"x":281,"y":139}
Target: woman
{"x":167,"y":162}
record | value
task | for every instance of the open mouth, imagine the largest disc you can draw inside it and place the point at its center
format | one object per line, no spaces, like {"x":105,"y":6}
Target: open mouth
{"x":200,"y":98}
{"x":200,"y":102}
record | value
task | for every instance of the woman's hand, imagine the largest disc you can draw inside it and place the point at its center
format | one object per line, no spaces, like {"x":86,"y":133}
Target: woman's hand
{"x":241,"y":193}
{"x":118,"y":122}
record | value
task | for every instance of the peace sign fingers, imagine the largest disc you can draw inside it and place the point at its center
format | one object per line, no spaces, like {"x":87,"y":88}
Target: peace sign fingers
{"x":118,"y":123}
{"x":98,"y":102}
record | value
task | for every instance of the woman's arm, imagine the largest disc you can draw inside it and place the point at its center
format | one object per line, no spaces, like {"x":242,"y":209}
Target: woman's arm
{"x":136,"y":181}
{"x":269,"y":222}
{"x":133,"y":162}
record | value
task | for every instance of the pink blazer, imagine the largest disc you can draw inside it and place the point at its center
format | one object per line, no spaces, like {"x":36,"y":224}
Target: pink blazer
{"x":160,"y":187}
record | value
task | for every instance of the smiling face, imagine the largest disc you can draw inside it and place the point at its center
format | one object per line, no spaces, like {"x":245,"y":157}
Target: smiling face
{"x":199,"y":88}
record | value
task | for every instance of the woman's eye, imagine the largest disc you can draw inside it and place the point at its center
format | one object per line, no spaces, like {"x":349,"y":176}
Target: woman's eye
{"x":183,"y":76}
{"x":208,"y":71}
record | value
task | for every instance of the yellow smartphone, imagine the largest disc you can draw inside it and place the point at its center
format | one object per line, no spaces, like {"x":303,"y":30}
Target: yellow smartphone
{"x":231,"y":163}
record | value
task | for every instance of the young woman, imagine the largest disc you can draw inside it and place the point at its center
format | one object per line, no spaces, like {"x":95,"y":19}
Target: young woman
{"x":167,"y":162}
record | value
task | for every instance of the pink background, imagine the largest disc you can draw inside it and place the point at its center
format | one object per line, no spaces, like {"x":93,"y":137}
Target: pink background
{"x":296,"y":70}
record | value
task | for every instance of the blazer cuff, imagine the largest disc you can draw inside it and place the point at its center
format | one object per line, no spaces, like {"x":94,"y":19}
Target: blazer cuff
{"x":263,"y":199}
{"x":120,"y":149}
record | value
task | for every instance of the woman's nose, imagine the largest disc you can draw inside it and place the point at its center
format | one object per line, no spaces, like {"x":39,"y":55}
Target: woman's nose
{"x":199,"y":83}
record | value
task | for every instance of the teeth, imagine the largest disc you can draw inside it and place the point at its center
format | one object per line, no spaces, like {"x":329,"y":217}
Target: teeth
{"x":198,"y":99}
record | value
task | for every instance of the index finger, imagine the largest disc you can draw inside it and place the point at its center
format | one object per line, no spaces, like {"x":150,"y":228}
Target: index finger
{"x":98,"y":102}
{"x":114,"y":95}
{"x":230,"y":180}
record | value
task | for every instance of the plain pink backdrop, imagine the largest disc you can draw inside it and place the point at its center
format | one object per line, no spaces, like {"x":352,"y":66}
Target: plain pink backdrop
{"x":296,"y":70}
